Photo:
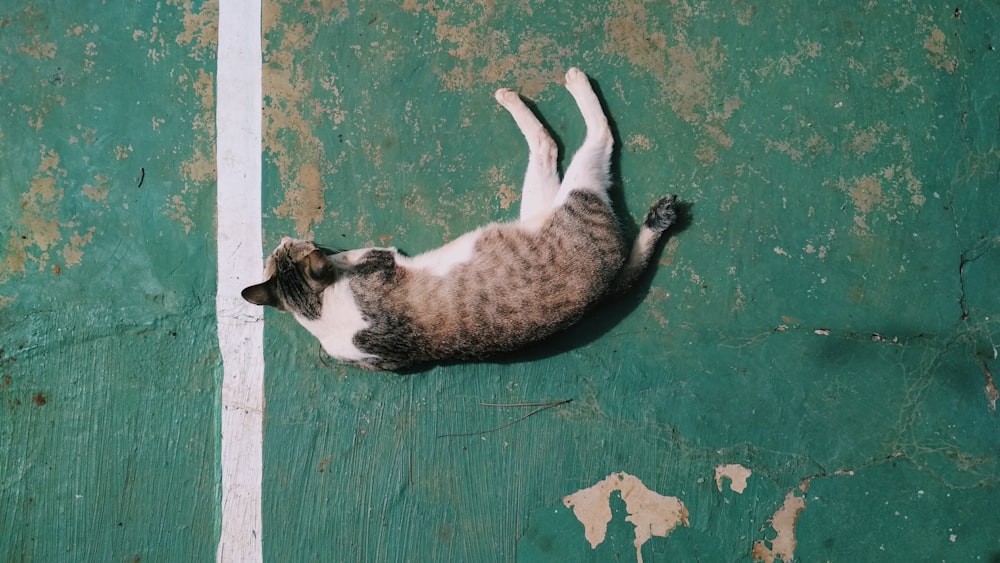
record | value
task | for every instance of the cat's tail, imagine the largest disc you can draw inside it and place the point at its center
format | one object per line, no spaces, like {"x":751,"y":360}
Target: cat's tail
{"x":658,"y":219}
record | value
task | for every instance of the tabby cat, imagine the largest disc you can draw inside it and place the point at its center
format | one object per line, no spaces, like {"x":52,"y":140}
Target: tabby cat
{"x":492,"y":290}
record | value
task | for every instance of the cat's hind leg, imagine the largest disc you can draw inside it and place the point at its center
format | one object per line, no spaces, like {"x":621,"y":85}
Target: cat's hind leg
{"x":660,"y":217}
{"x":541,"y":180}
{"x":590,"y":168}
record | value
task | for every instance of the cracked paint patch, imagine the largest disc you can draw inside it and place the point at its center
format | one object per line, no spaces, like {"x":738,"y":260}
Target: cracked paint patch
{"x":481,"y":53}
{"x":737,"y":475}
{"x":506,"y":192}
{"x":788,"y":64}
{"x":938,"y":53}
{"x":41,"y":230}
{"x":199,"y":170}
{"x":684,"y":70}
{"x":893,"y":189}
{"x":292,"y":108}
{"x":198,"y":36}
{"x":651,"y":513}
{"x":783,"y":523}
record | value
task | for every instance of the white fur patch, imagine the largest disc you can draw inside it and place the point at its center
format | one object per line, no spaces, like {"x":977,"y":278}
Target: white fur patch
{"x":441,"y":261}
{"x":340,"y":321}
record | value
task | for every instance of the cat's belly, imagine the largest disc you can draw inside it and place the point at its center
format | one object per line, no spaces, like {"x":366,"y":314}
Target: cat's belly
{"x":340,"y":321}
{"x":443,"y":260}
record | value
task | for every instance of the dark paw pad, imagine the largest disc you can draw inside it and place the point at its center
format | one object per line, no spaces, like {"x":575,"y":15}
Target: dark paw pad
{"x":662,"y":214}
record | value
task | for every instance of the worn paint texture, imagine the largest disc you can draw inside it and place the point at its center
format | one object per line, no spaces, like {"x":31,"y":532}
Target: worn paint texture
{"x":107,"y":272}
{"x":827,"y":314}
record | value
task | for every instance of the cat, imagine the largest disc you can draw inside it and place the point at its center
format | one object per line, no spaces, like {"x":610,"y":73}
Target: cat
{"x":492,"y":290}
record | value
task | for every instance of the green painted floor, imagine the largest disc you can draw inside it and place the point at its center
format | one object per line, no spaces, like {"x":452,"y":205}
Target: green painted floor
{"x":825,"y":320}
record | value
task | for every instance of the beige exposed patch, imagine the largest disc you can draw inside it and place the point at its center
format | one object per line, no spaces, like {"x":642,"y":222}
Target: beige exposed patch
{"x":73,"y":252}
{"x":200,"y":36}
{"x":639,"y":142}
{"x":98,"y":191}
{"x":898,"y":80}
{"x":865,"y":140}
{"x":937,"y":52}
{"x":304,"y":203}
{"x":41,"y":230}
{"x":651,"y":513}
{"x":737,"y":475}
{"x":866,"y":194}
{"x":38,"y":49}
{"x":201,"y":29}
{"x":684,"y":70}
{"x":507,"y":193}
{"x":536,"y":64}
{"x":41,"y":203}
{"x":783,"y":523}
{"x":788,"y":64}
{"x":299,"y":155}
{"x":123,"y":151}
{"x":892,"y":190}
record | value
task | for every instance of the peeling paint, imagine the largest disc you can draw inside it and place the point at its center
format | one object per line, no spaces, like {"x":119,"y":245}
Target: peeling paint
{"x":639,"y":142}
{"x":684,"y":70}
{"x":651,"y":513}
{"x":737,"y":475}
{"x":892,"y":189}
{"x":528,"y":61}
{"x":38,"y":49}
{"x":783,"y":523}
{"x":292,"y":145}
{"x":937,"y":52}
{"x":200,"y":36}
{"x":98,"y":191}
{"x":864,"y":140}
{"x":41,"y":228}
{"x":788,"y":64}
{"x":304,"y":203}
{"x":507,"y":193}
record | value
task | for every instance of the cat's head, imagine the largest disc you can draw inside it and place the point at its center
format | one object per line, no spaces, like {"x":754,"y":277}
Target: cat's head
{"x":297,"y":272}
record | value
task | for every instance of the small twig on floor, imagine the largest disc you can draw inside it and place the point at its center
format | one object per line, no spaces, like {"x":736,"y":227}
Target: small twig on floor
{"x":539,"y":408}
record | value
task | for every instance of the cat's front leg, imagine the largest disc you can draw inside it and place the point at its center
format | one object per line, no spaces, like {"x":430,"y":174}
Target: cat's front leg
{"x":365,"y":259}
{"x":541,"y":180}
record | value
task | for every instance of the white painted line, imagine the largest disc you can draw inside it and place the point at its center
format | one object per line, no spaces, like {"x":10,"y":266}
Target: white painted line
{"x":240,"y":325}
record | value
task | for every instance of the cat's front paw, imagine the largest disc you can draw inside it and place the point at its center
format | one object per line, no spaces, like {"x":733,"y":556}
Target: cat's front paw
{"x":507,"y":97}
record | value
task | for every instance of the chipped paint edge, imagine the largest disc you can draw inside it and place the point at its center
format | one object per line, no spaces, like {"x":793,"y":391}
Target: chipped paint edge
{"x":737,"y":475}
{"x":240,"y":325}
{"x":651,"y":513}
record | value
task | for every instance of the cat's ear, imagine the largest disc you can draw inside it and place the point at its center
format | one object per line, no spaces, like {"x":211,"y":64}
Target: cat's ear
{"x":320,"y":268}
{"x":263,"y":294}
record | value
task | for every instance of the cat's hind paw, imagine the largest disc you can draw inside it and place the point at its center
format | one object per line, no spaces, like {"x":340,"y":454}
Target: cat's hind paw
{"x":507,"y":98}
{"x":662,"y":214}
{"x":576,"y":80}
